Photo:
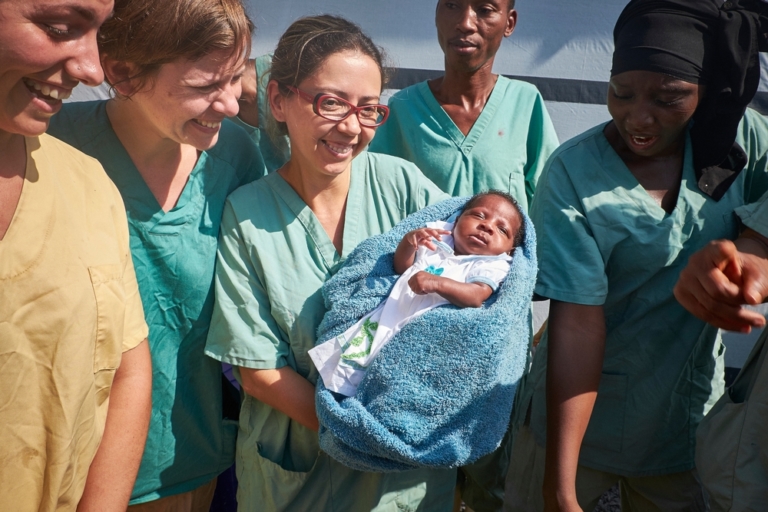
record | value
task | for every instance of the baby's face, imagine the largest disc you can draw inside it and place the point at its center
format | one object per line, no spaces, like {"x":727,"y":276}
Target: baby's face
{"x":488,"y":228}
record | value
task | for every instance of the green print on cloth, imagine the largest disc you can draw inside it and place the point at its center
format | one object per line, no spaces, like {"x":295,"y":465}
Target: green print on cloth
{"x":365,"y":337}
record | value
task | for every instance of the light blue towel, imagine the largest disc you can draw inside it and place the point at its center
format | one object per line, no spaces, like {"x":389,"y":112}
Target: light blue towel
{"x":440,"y":393}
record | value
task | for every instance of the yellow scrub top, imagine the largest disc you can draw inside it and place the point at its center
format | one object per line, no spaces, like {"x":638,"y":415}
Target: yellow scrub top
{"x":69,"y":308}
{"x":274,"y":257}
{"x":602,"y":240}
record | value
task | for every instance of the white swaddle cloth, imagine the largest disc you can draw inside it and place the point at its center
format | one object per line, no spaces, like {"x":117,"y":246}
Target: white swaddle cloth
{"x":342,"y":361}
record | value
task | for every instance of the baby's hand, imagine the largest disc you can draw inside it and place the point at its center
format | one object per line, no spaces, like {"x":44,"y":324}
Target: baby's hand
{"x":424,"y":236}
{"x":423,"y":283}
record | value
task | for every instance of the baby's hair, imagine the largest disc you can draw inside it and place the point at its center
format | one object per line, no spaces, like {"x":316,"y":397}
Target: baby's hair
{"x":520,"y":235}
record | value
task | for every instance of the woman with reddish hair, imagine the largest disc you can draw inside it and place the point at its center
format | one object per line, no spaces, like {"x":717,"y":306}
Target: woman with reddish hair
{"x":174,"y":69}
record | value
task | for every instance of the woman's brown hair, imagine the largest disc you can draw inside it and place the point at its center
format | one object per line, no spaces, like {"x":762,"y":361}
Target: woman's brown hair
{"x":150,"y":33}
{"x":307,"y":43}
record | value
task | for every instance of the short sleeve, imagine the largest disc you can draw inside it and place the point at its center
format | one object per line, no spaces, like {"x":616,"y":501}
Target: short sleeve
{"x":571,"y":266}
{"x":243,"y":331}
{"x":491,"y":273}
{"x":542,"y":142}
{"x":755,"y":215}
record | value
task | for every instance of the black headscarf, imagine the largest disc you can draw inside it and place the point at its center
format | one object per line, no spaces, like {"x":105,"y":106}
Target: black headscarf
{"x":701,"y":42}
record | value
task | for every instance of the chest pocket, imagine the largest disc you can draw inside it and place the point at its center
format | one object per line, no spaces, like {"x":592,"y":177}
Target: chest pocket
{"x":107,"y":282}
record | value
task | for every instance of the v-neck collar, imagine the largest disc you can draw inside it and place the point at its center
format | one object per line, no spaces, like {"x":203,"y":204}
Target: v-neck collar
{"x":139,"y":199}
{"x":33,"y":219}
{"x":314,"y":229}
{"x":465,"y":143}
{"x":624,"y":177}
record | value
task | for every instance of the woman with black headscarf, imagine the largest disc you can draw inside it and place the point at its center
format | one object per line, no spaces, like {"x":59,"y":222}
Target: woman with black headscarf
{"x":619,"y":209}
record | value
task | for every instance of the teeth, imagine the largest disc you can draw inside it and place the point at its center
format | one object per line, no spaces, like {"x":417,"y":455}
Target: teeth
{"x":338,"y":149}
{"x":208,"y":124}
{"x":47,"y":90}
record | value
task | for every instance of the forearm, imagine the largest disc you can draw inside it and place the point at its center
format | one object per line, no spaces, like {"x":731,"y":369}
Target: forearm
{"x":463,"y":295}
{"x":752,"y":242}
{"x":575,"y":358}
{"x":404,"y":256}
{"x":285,"y":390}
{"x":113,"y":470}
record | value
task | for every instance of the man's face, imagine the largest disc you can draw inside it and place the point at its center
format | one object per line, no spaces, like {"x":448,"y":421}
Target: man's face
{"x":470,"y":31}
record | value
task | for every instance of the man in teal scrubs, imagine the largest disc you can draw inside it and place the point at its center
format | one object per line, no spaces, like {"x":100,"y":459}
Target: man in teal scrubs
{"x":190,"y":441}
{"x":469,"y":131}
{"x":274,"y":257}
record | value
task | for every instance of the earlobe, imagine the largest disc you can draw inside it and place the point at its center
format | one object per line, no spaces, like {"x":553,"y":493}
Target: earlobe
{"x":276,"y":101}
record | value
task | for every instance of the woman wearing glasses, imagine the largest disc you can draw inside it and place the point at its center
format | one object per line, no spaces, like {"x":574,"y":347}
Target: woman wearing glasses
{"x":282,"y":237}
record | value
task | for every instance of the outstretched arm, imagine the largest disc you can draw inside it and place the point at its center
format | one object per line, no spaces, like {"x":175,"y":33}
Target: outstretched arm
{"x":406,"y":249}
{"x":575,"y":360}
{"x":463,"y":295}
{"x":723,"y":276}
{"x":113,"y":470}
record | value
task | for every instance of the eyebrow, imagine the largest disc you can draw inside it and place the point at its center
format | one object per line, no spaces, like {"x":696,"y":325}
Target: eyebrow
{"x":342,"y":94}
{"x":60,"y":10}
{"x":675,"y":89}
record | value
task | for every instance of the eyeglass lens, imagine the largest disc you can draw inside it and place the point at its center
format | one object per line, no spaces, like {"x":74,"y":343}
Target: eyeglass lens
{"x":336,"y":109}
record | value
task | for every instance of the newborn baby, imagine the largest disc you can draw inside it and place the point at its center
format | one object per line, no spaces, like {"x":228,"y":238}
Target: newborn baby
{"x":461,"y":263}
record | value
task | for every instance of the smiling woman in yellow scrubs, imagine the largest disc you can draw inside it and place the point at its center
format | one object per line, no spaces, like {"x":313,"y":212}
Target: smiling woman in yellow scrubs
{"x":624,"y":374}
{"x":74,"y":365}
{"x":165,"y":143}
{"x":282,"y":237}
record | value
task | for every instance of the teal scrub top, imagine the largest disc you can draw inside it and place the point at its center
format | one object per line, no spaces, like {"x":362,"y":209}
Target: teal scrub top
{"x":602,"y":240}
{"x":506,"y":149}
{"x":274,"y":257}
{"x":275,"y":152}
{"x":174,"y":253}
{"x":755,"y":215}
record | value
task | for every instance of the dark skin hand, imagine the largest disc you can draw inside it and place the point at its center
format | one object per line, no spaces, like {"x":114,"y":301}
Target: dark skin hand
{"x":722,"y":277}
{"x":463,"y":295}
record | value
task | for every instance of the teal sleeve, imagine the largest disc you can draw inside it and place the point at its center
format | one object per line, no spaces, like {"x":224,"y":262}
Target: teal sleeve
{"x":753,"y":137}
{"x":243,"y":331}
{"x":755,"y":215}
{"x":571,"y":266}
{"x":542,"y":142}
